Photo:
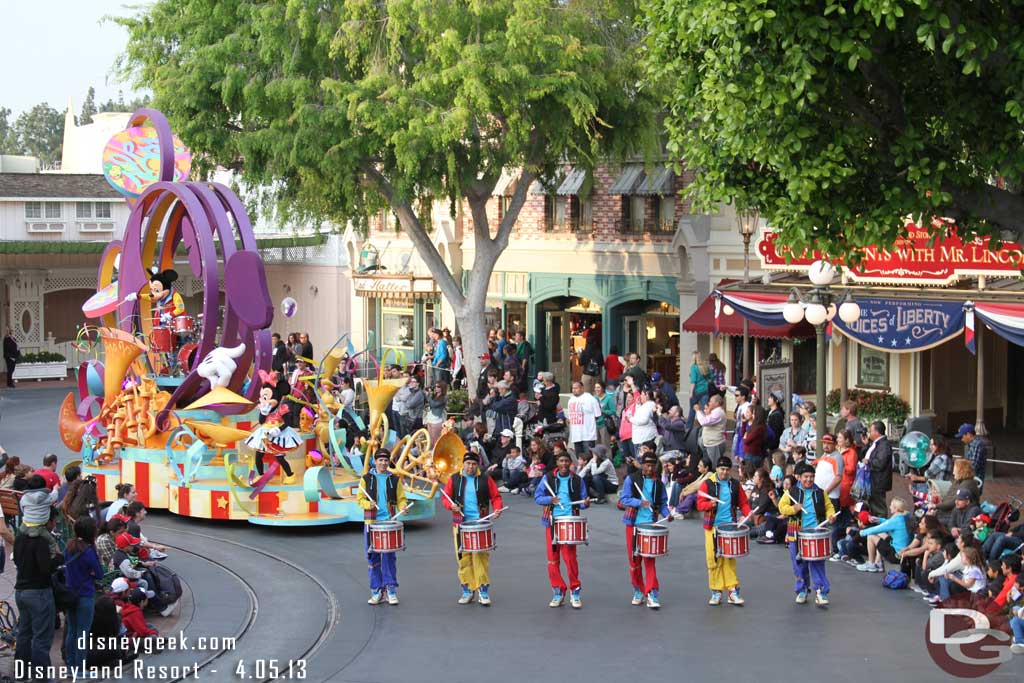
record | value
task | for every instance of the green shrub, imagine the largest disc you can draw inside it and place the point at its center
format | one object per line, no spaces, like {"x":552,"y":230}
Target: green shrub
{"x":875,"y":405}
{"x":42,"y":357}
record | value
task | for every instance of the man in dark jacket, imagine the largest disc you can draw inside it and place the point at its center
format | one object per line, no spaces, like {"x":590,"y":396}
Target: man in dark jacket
{"x":33,"y":594}
{"x":280,"y":354}
{"x":878,"y":456}
{"x":673,"y":426}
{"x":963,"y":512}
{"x":11,"y":355}
{"x":504,"y":405}
{"x":548,"y":398}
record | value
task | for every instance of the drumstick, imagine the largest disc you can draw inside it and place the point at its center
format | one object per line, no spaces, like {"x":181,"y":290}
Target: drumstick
{"x":372,"y":501}
{"x":493,"y":513}
{"x":829,"y":519}
{"x":548,"y":487}
{"x":710,"y":497}
{"x":449,"y":498}
{"x":403,"y":511}
{"x":640,"y":491}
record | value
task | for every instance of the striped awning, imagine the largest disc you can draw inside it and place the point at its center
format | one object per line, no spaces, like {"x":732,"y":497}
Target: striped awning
{"x":632,"y":175}
{"x":572,"y":183}
{"x":658,"y":182}
{"x":506,"y":183}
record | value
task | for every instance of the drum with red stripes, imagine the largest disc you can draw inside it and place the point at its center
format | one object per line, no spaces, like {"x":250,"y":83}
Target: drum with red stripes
{"x":476,"y":536}
{"x":651,"y":540}
{"x":386,"y":536}
{"x":732,"y":540}
{"x":815,"y":544}
{"x":161,"y":340}
{"x":571,"y":531}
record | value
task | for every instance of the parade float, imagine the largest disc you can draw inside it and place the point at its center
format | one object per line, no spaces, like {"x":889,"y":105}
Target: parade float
{"x":184,"y":407}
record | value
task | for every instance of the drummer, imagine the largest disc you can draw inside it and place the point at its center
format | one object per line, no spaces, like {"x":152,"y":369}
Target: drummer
{"x":810,"y":505}
{"x":719,"y":498}
{"x":568,"y":488}
{"x":381,"y":496}
{"x":167,"y":302}
{"x":470,"y":496}
{"x":643,"y":497}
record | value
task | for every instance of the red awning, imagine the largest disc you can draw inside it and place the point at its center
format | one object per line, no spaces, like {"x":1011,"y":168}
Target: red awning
{"x":703,"y":320}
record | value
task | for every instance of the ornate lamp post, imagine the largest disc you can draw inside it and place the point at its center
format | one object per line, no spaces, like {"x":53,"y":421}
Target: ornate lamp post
{"x":747,"y":221}
{"x":820,"y":304}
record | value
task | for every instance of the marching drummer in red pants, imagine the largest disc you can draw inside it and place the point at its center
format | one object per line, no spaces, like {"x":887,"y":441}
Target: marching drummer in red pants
{"x":557,"y":492}
{"x":720,"y":498}
{"x":643,"y":498}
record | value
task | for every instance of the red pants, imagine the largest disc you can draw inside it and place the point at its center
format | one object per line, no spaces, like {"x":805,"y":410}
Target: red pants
{"x":567,"y":553}
{"x":638,"y":566}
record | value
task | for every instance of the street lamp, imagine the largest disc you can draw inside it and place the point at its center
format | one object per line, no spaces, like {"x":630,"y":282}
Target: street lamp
{"x":818,"y":307}
{"x":747,"y":221}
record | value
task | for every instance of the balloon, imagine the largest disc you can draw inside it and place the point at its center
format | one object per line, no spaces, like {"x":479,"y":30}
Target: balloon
{"x":915,"y":446}
{"x":289,"y":306}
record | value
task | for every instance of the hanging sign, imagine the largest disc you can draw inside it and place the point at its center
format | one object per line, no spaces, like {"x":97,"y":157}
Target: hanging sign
{"x":902,"y":325}
{"x":912,"y":261}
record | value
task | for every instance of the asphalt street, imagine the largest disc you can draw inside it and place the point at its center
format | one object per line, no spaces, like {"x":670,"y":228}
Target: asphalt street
{"x":310,"y":596}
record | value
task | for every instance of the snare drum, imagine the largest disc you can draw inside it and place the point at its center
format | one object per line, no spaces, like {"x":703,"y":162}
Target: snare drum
{"x":183,"y":325}
{"x":815,"y":544}
{"x":387,"y":536}
{"x":161,"y":340}
{"x":570,"y":531}
{"x":733,"y":540}
{"x":651,"y":540}
{"x":476,"y":536}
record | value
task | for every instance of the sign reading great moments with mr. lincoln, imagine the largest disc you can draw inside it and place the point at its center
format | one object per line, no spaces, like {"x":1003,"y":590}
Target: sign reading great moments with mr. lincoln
{"x":912,"y":261}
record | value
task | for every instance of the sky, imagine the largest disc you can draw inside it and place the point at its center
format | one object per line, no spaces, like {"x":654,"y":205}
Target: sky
{"x":60,"y":48}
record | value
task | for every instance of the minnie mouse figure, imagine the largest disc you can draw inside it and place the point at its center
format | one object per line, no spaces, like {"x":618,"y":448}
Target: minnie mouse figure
{"x":273,"y":438}
{"x":268,"y":400}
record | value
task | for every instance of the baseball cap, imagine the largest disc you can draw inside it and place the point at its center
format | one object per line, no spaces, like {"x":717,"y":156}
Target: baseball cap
{"x":508,"y":432}
{"x":965,"y":428}
{"x":382,"y":454}
{"x":471,"y":457}
{"x":119,"y":585}
{"x":982,"y":518}
{"x":649,"y":458}
{"x":828,"y":438}
{"x":655,"y":376}
{"x":963,"y":494}
{"x":126,"y":539}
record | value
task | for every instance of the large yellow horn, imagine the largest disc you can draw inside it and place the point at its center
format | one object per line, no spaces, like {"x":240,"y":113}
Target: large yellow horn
{"x":71,"y":427}
{"x":378,"y":395}
{"x":446,"y":458}
{"x":120,"y":349}
{"x":330,"y":363}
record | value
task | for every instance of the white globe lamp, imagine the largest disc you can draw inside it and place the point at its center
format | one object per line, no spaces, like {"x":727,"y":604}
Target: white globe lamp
{"x":793,"y":310}
{"x":815,"y":314}
{"x":849,"y":311}
{"x":821,"y":273}
{"x":728,"y":310}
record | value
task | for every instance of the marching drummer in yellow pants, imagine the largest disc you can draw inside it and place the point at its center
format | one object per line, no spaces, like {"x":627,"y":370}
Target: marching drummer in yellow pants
{"x":719,"y":498}
{"x":470,"y":496}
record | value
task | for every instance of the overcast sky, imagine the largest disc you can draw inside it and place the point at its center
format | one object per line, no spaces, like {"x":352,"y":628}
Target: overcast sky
{"x":55,"y":49}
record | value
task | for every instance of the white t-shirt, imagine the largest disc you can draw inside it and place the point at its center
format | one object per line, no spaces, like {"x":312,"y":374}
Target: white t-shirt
{"x":980,"y":580}
{"x":825,"y":473}
{"x":583,"y":411}
{"x":348,"y":399}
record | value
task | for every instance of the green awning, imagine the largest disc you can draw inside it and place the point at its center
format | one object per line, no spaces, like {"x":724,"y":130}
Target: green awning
{"x":632,"y":175}
{"x":659,"y":182}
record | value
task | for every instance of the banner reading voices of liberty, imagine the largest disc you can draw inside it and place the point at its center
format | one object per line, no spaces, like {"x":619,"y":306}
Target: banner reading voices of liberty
{"x":901,"y":325}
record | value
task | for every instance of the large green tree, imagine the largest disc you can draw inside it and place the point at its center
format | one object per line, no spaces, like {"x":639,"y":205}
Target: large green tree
{"x":40,"y":132}
{"x":8,"y":142}
{"x":88,"y":107}
{"x":350,"y":105}
{"x":839,"y":119}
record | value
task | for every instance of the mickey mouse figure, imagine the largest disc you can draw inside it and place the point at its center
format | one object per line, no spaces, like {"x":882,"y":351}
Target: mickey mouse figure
{"x":167,"y":302}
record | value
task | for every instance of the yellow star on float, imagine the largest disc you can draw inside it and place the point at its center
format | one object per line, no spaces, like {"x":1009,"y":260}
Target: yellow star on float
{"x":222,"y":503}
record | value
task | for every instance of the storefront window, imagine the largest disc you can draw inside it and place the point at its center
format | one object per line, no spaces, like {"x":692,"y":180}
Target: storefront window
{"x":397,"y":327}
{"x":430,"y":317}
{"x":492,"y":315}
{"x":515,"y":317}
{"x":804,"y":370}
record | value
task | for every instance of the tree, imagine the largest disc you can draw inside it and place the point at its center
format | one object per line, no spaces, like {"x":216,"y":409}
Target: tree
{"x":349,"y":105}
{"x":838,"y":120}
{"x":88,"y":107}
{"x":8,"y":142}
{"x":40,"y":133}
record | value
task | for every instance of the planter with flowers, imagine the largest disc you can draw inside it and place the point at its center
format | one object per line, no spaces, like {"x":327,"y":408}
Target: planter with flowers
{"x":40,"y":366}
{"x":874,"y":405}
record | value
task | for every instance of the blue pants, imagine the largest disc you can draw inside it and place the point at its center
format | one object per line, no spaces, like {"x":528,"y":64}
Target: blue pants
{"x":36,"y":614}
{"x":947,"y":588}
{"x":840,"y":525}
{"x":1017,"y":625}
{"x":700,"y":399}
{"x":383,"y":567}
{"x":79,"y":623}
{"x":810,"y":574}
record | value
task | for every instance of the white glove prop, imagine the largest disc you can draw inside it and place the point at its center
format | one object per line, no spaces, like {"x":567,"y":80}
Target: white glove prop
{"x":219,"y":365}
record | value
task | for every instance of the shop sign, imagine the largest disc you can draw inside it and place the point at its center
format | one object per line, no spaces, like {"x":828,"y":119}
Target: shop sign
{"x":394,"y":286}
{"x":903,"y":325}
{"x":913,"y":260}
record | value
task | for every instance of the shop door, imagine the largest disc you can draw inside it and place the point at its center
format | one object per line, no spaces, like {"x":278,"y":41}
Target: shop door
{"x":636,"y":338}
{"x":559,"y":351}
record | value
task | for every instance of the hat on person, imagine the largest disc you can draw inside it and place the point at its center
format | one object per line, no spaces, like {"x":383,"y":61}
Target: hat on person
{"x":119,"y":585}
{"x":484,"y":356}
{"x":382,"y":453}
{"x":777,"y":395}
{"x":965,"y":428}
{"x":649,"y":458}
{"x":828,"y":438}
{"x":724,"y":461}
{"x":963,"y":494}
{"x":655,"y":376}
{"x":508,"y":432}
{"x":864,"y":517}
{"x":600,"y":449}
{"x":126,"y":539}
{"x":982,"y":518}
{"x":471,"y":457}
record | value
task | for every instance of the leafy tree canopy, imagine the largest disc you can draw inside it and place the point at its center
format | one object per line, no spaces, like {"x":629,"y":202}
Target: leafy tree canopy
{"x":39,"y":132}
{"x":840,"y":119}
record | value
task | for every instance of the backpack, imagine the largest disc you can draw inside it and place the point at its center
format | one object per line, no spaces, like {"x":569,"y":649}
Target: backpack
{"x":168,"y":585}
{"x":895,"y":579}
{"x":1003,"y":516}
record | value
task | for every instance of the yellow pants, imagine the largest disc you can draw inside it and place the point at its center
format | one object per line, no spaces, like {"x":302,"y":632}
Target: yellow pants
{"x":472,"y":566}
{"x":721,"y":570}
